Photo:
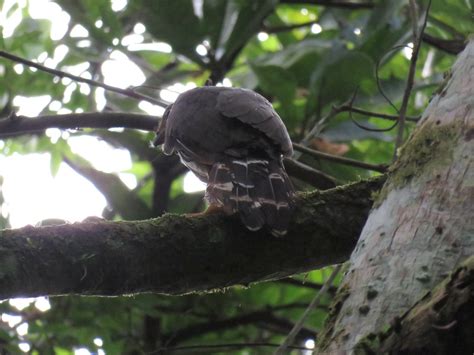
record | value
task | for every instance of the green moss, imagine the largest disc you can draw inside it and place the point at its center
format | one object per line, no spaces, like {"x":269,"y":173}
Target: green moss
{"x":430,"y":148}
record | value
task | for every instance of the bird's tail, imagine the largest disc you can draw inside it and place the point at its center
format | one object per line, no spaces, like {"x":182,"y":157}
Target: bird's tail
{"x":258,"y":189}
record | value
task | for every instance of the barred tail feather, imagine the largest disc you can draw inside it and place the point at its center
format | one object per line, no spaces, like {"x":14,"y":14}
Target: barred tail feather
{"x":258,"y":189}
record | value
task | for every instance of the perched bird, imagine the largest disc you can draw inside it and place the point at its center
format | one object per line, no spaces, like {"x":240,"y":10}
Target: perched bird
{"x":233,"y":140}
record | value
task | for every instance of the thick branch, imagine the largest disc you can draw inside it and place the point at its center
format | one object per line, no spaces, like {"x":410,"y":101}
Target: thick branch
{"x":176,"y":254}
{"x":452,"y":46}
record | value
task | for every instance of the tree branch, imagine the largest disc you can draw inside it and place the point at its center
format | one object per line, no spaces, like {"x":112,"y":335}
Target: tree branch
{"x":177,"y":254}
{"x":19,"y":125}
{"x":308,"y":174}
{"x":266,"y":317}
{"x":332,"y":3}
{"x":381,"y":168}
{"x":417,"y":39}
{"x":451,"y":46}
{"x":62,"y":74}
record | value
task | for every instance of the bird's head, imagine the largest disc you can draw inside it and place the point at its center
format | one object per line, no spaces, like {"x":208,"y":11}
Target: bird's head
{"x":160,"y":133}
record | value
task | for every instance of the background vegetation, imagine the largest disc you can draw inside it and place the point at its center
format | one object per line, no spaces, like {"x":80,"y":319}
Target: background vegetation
{"x":309,"y":58}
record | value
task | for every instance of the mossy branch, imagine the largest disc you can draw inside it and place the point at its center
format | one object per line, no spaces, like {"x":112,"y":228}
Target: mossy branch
{"x":176,"y":254}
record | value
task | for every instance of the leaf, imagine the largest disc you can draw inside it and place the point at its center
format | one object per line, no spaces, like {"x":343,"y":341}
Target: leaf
{"x":337,"y":78}
{"x":245,"y":20}
{"x":55,"y":162}
{"x":299,"y":58}
{"x":277,"y":81}
{"x":162,"y":17}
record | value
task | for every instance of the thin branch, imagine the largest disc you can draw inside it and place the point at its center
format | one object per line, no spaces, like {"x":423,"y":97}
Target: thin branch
{"x":411,"y":75}
{"x":309,"y":174}
{"x":62,"y":74}
{"x":314,"y":303}
{"x":345,"y":108}
{"x":265,"y":317}
{"x":18,"y":125}
{"x":222,"y":347}
{"x":381,"y":168}
{"x":332,"y":3}
{"x":365,"y":128}
{"x":305,"y":284}
{"x":276,"y":29}
{"x":317,"y":127}
{"x":377,"y":78}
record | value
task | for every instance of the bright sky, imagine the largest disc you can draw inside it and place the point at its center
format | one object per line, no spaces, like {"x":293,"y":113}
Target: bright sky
{"x":31,"y":193}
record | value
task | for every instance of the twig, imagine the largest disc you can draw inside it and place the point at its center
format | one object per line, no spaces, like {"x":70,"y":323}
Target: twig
{"x":345,"y":108}
{"x":314,"y":303}
{"x":362,"y":126}
{"x":310,"y":175}
{"x":365,"y":128}
{"x":305,"y":284}
{"x":17,"y":125}
{"x":62,"y":74}
{"x":317,"y":127}
{"x":411,"y":74}
{"x":276,"y":29}
{"x":377,"y":78}
{"x":331,"y":3}
{"x":381,"y":168}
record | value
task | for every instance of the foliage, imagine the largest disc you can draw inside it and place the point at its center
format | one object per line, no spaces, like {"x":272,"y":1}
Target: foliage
{"x":304,"y":71}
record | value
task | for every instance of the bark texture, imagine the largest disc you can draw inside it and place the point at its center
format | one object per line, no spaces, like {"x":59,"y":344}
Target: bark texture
{"x":422,"y":225}
{"x":442,"y":322}
{"x":175,"y":254}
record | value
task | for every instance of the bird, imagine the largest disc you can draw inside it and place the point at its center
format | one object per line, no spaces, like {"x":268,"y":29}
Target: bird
{"x":234,"y":141}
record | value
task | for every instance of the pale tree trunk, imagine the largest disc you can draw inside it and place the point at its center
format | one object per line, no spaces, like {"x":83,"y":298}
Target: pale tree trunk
{"x":422,"y":224}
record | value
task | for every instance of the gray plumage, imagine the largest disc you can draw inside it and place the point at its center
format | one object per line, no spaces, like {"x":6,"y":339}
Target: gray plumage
{"x":233,"y":140}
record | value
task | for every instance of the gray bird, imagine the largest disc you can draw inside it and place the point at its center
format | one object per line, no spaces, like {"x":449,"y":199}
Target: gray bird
{"x":233,"y":140}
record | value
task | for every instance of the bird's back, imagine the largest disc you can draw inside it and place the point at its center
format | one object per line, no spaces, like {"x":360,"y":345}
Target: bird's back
{"x":234,"y":140}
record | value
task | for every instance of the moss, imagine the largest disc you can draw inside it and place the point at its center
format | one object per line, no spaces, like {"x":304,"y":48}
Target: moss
{"x":429,"y":148}
{"x":325,"y":337}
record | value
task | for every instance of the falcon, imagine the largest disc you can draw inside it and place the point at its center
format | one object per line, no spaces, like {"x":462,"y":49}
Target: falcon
{"x":234,"y":141}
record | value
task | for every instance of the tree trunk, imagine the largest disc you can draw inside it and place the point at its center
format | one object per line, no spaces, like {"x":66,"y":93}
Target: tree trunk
{"x":422,"y":224}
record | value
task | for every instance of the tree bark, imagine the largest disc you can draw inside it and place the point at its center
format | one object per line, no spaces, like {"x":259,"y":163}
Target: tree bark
{"x":442,"y":322}
{"x":176,"y":254}
{"x":422,"y":225}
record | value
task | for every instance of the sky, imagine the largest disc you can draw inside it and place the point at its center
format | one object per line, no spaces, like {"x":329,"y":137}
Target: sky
{"x":31,"y":193}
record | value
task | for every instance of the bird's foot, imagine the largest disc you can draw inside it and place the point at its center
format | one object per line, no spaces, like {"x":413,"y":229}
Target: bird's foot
{"x":212,"y":209}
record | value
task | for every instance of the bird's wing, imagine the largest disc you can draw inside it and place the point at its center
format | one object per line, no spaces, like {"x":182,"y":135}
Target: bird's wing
{"x":253,"y":109}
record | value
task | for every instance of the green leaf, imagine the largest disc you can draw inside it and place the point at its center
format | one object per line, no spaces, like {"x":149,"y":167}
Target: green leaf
{"x":337,"y":78}
{"x":277,"y":81}
{"x":162,"y":17}
{"x":55,"y":161}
